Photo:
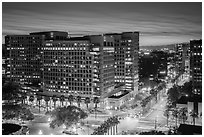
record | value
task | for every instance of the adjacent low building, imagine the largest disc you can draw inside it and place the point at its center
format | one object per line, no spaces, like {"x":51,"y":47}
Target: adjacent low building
{"x":192,"y":104}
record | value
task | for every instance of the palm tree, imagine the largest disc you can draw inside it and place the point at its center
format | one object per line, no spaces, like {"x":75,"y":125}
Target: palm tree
{"x":23,"y":97}
{"x":96,"y":101}
{"x":62,"y":99}
{"x":175,"y":113}
{"x":54,"y":99}
{"x":87,"y":101}
{"x":78,"y":99}
{"x":47,"y":99}
{"x":39,"y":98}
{"x":167,"y":113}
{"x":70,"y":99}
{"x":31,"y":98}
{"x":183,"y":114}
{"x":194,"y":115}
{"x":115,"y":123}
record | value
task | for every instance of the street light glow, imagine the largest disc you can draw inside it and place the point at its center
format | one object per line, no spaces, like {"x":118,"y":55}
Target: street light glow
{"x":40,"y":132}
{"x":49,"y":119}
{"x":64,"y":126}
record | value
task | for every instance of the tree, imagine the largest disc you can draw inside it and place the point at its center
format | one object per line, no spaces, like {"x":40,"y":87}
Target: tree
{"x":23,"y":97}
{"x":167,"y":114}
{"x":113,"y":123}
{"x":154,"y":132}
{"x":47,"y":99}
{"x":106,"y":126}
{"x":54,"y":99}
{"x":87,"y":101}
{"x":96,"y":101}
{"x":187,"y":88}
{"x":10,"y":91}
{"x":194,"y":115}
{"x":39,"y":98}
{"x":67,"y":116}
{"x":62,"y":99}
{"x":70,"y":99}
{"x":78,"y":99}
{"x":175,"y":113}
{"x":173,"y":94}
{"x":16,"y":111}
{"x":183,"y":114}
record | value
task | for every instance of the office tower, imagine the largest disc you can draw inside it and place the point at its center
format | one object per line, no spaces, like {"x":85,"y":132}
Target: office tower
{"x":24,"y":62}
{"x":160,"y":63}
{"x":5,"y":72}
{"x":182,"y":57}
{"x":67,"y":68}
{"x":196,"y":65}
{"x":24,"y":58}
{"x":126,"y":58}
{"x":102,"y":49}
{"x":81,"y":66}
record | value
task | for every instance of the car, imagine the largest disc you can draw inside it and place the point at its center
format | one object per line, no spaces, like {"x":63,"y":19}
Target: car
{"x":69,"y":132}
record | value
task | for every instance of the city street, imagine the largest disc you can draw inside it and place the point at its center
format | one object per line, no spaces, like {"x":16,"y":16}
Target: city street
{"x":153,"y":119}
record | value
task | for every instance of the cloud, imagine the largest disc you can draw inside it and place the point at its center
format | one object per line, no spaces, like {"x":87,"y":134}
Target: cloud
{"x":157,"y":22}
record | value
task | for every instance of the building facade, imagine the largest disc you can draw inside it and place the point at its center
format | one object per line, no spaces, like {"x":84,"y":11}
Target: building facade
{"x":89,"y":66}
{"x":182,"y":58}
{"x":24,"y":58}
{"x":196,"y":65}
{"x":67,"y":68}
{"x":24,"y":55}
{"x":126,"y":58}
{"x":102,"y":49}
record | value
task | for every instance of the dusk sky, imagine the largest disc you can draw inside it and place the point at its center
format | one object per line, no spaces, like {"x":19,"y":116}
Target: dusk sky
{"x":158,"y":23}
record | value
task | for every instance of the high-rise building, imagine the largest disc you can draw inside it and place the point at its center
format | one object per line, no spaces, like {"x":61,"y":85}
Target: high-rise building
{"x":102,"y":49}
{"x":81,"y":66}
{"x":182,"y":58}
{"x":196,"y":65}
{"x":126,"y":58}
{"x":160,"y":62}
{"x":24,"y":58}
{"x":88,"y":66}
{"x":24,"y":61}
{"x":67,"y":68}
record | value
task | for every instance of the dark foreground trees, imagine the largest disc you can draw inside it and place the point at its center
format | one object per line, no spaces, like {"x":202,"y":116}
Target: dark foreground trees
{"x":10,"y":91}
{"x":109,"y":125}
{"x":153,"y":132}
{"x":67,"y":116}
{"x":16,"y":111}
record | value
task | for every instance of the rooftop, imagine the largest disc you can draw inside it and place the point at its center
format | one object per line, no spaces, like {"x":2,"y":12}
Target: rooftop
{"x":189,"y":129}
{"x":184,"y":99}
{"x":125,"y":92}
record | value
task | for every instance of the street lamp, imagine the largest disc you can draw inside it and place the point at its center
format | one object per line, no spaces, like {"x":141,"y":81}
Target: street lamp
{"x":40,"y":132}
{"x":49,"y":119}
{"x":64,"y":126}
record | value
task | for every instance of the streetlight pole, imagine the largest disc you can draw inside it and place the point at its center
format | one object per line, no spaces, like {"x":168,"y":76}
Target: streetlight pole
{"x":155,"y":123}
{"x":88,"y":127}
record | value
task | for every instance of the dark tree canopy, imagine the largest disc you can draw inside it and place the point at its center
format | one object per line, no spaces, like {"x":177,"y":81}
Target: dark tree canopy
{"x":66,"y":115}
{"x":16,"y":111}
{"x":10,"y":91}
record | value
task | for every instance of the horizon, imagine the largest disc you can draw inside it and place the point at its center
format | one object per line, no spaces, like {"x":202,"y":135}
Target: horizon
{"x":158,"y":23}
